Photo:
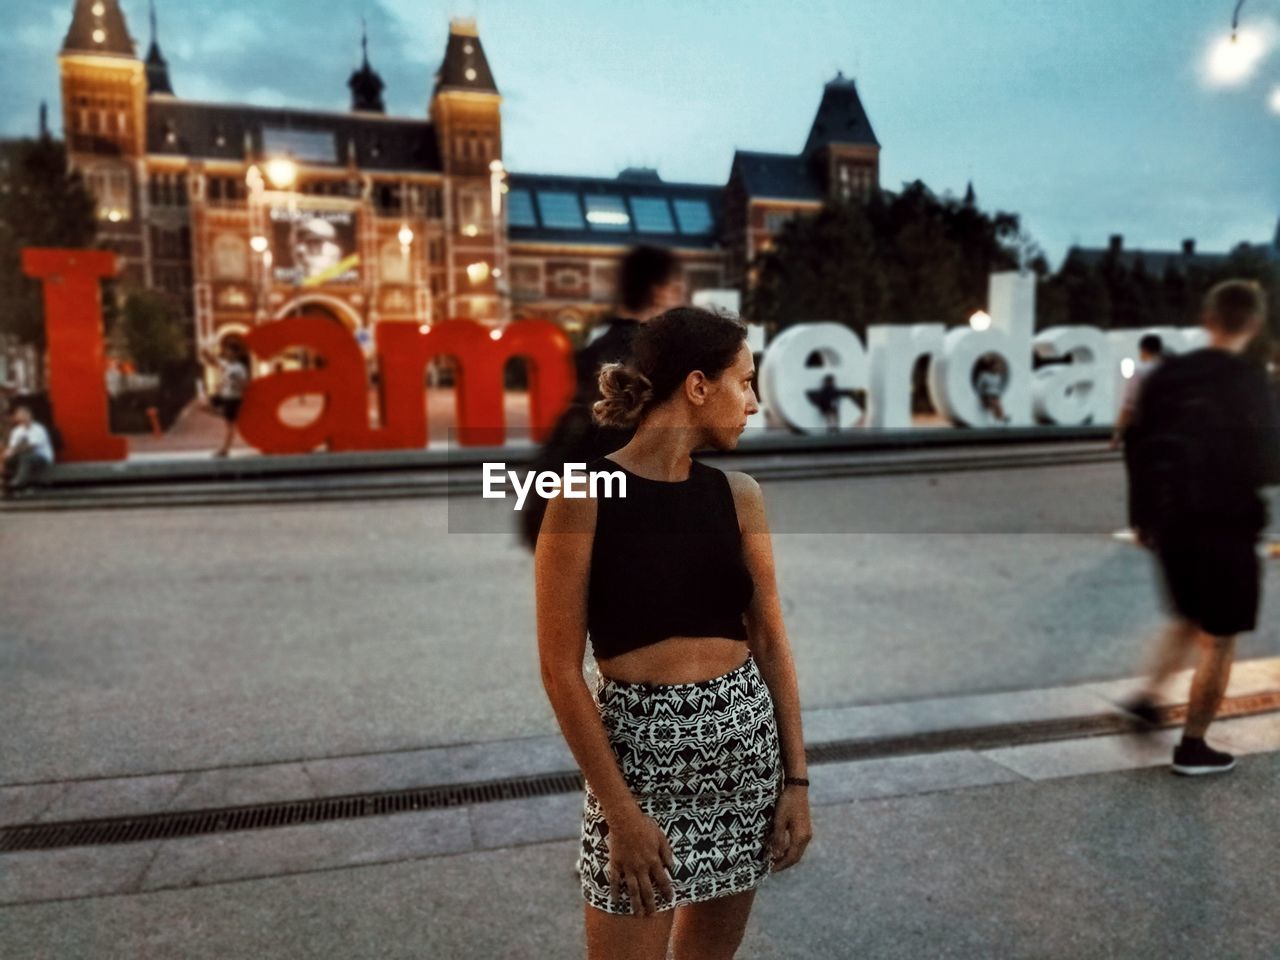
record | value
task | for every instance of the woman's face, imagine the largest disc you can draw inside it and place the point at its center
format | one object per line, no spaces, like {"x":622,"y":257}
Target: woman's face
{"x":731,"y":400}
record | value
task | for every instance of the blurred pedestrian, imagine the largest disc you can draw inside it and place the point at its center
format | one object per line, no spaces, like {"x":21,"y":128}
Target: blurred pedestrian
{"x":689,"y":738}
{"x":1150,"y":353}
{"x":232,"y":361}
{"x":28,"y":454}
{"x":1205,"y":438}
{"x":827,"y":399}
{"x":650,"y":282}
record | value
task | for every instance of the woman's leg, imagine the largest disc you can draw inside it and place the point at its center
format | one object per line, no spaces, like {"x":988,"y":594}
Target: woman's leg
{"x":712,"y":929}
{"x":619,"y":936}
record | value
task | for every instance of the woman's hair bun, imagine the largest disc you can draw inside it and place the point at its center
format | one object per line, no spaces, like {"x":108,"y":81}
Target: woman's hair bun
{"x":626,"y":391}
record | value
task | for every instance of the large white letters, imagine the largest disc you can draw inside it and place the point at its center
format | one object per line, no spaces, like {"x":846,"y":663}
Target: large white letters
{"x":786,"y":380}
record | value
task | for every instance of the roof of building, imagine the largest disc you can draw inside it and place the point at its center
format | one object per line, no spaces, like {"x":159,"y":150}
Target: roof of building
{"x":465,"y":67}
{"x":776,"y":176}
{"x":105,"y":34}
{"x":365,"y":84}
{"x":613,"y":211}
{"x":1155,"y":262}
{"x":841,"y":118}
{"x":229,"y":131}
{"x":157,"y":66}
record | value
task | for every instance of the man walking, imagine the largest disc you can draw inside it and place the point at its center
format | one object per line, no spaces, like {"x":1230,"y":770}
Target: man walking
{"x":1205,"y":439}
{"x":28,"y":453}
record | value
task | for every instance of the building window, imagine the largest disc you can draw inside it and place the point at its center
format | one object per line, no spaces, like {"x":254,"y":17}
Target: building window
{"x":608,"y":213}
{"x":474,"y":215}
{"x":110,"y":189}
{"x":560,"y":210}
{"x":230,"y":257}
{"x":520,"y":209}
{"x":526,"y":279}
{"x":652,"y":215}
{"x":776,"y":220}
{"x":434,"y":203}
{"x":395,"y":263}
{"x":694,"y":216}
{"x":604,"y":281}
{"x":387,"y":198}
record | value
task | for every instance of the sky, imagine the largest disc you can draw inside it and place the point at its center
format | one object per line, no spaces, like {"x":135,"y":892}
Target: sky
{"x":1085,"y":117}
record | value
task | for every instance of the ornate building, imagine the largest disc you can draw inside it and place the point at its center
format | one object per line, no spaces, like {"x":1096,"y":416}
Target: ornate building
{"x":248,"y":213}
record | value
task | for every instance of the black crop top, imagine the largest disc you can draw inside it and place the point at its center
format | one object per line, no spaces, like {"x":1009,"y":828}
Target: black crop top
{"x":666,"y":562}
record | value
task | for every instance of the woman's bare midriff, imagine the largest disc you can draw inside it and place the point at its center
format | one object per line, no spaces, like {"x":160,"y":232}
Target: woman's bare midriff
{"x":676,"y":660}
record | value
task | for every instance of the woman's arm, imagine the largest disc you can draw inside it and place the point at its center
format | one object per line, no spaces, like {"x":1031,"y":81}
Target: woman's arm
{"x":792,"y":828}
{"x":640,"y":856}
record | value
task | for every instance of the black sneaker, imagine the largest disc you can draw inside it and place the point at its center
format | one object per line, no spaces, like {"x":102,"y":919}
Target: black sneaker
{"x":1142,"y":713}
{"x":1195,"y":758}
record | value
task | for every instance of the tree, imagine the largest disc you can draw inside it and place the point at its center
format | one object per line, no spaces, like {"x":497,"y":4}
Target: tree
{"x":41,"y":205}
{"x":151,"y":323}
{"x":909,"y":257}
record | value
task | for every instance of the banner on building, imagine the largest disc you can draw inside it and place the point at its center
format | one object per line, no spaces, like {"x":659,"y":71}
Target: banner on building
{"x":314,"y":246}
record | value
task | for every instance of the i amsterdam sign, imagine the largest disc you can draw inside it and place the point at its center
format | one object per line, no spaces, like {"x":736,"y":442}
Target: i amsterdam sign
{"x":1083,"y":389}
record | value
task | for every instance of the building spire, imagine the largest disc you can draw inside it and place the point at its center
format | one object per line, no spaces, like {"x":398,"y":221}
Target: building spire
{"x":157,"y":66}
{"x":98,"y":27}
{"x":365,"y":84}
{"x":44,"y":120}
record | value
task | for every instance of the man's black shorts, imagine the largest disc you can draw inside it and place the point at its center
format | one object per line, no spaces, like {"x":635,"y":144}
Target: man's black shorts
{"x":228,"y":407}
{"x":1212,"y":578}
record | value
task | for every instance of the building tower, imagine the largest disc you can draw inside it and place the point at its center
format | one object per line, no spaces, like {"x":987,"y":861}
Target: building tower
{"x":157,"y":66}
{"x":365,"y":84}
{"x":104,"y":91}
{"x":842,"y":148}
{"x":466,"y":113}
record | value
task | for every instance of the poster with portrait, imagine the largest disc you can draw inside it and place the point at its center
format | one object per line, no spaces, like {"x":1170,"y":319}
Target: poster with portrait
{"x":314,"y":247}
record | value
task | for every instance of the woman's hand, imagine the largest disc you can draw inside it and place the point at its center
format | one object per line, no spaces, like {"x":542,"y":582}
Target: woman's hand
{"x":640,"y":857}
{"x":792,"y":830}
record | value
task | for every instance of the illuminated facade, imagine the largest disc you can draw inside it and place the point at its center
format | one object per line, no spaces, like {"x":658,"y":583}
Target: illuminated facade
{"x":246,"y":213}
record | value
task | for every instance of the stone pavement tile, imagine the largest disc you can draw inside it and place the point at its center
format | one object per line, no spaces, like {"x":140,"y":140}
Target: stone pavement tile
{"x":242,"y":786}
{"x":30,"y":876}
{"x":507,"y":823}
{"x":440,"y":765}
{"x":1073,"y":758}
{"x":196,"y":861}
{"x":25,"y":804}
{"x":949,"y":713}
{"x":1258,"y":675}
{"x":114,"y":797}
{"x":1260,"y":734}
{"x":897,"y":776}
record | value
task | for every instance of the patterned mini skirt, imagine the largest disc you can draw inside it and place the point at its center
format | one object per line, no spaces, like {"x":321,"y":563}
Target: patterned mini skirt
{"x":703,"y":760}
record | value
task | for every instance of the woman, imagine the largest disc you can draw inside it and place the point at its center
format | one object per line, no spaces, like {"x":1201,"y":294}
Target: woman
{"x":233,"y":375}
{"x":689,"y":738}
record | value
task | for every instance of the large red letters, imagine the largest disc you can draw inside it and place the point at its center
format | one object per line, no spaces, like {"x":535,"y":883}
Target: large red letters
{"x":73,"y":321}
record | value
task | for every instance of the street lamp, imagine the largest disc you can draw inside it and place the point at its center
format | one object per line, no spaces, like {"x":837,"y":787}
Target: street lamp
{"x":259,"y":243}
{"x":282,"y":172}
{"x":981,"y":320}
{"x":1232,"y":59}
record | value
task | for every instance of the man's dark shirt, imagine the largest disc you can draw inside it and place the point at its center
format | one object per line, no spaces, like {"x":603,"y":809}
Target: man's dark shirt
{"x":576,"y":438}
{"x":1221,"y":403}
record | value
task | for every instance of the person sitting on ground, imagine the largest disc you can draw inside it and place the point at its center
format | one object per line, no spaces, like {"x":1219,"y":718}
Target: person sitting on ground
{"x":990,"y":382}
{"x":1205,"y":439}
{"x":28,"y":454}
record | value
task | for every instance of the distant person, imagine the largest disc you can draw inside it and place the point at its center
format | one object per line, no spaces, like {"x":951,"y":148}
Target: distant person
{"x":689,"y":736}
{"x":827,"y":399}
{"x":989,"y":382}
{"x":650,"y":282}
{"x":28,"y":454}
{"x":232,"y":361}
{"x":1205,"y":438}
{"x":1150,"y":353}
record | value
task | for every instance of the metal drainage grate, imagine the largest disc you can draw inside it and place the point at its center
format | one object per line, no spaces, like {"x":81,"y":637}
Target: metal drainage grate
{"x":167,"y":826}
